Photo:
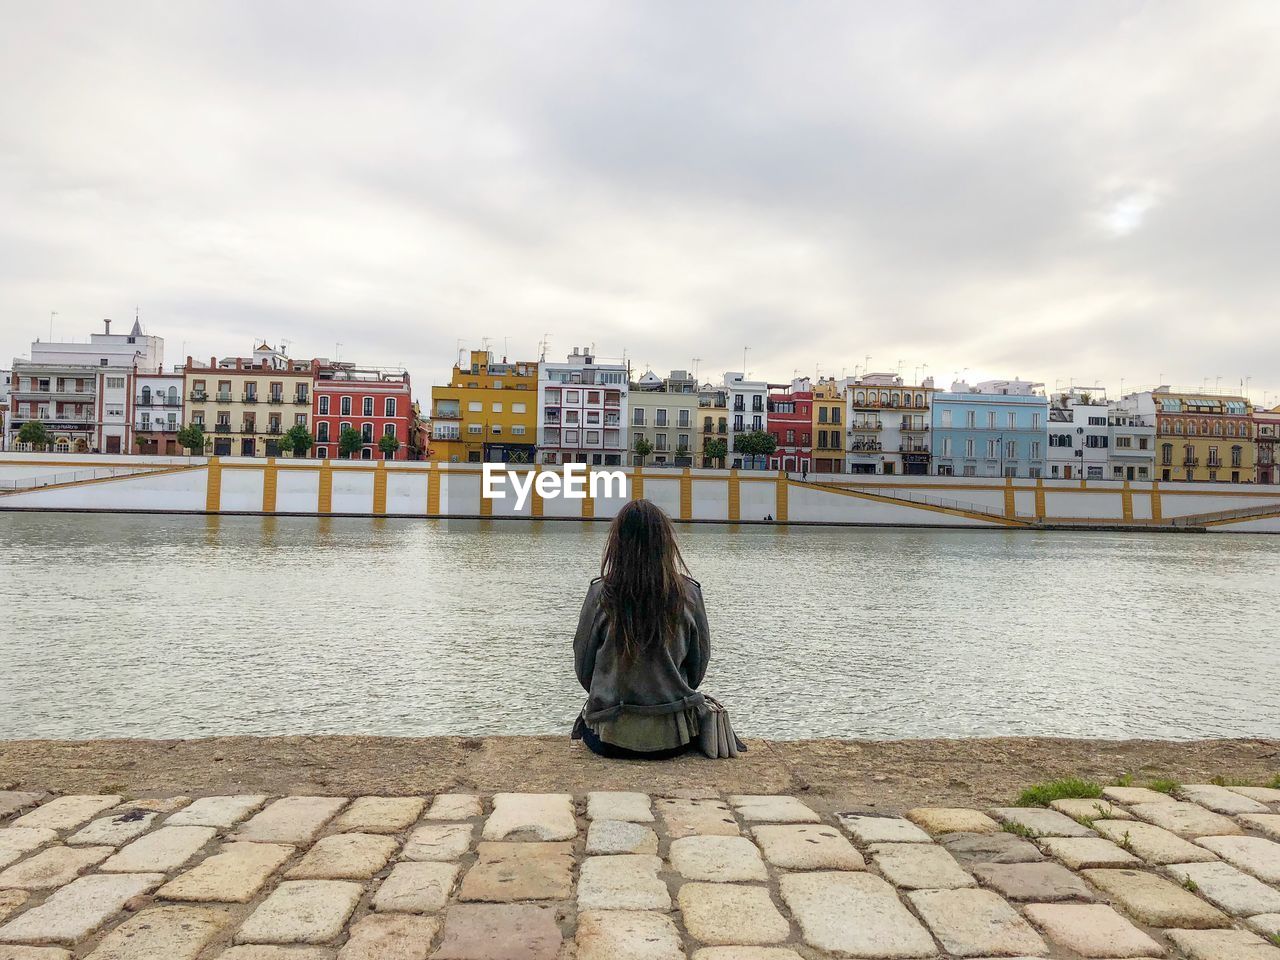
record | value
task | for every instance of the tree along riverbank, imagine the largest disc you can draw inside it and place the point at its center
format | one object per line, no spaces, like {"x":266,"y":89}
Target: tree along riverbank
{"x":891,"y":774}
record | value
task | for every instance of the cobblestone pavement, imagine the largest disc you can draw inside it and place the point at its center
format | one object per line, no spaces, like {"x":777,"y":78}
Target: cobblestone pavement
{"x":627,"y":875}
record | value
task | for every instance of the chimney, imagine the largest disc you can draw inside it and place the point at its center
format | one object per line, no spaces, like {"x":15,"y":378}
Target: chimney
{"x":108,"y":325}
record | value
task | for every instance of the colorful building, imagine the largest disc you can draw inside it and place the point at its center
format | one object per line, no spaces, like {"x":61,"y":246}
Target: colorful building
{"x":1079,"y":435}
{"x":827,"y":429}
{"x":713,"y":418}
{"x":790,"y":412}
{"x":1266,"y":433}
{"x":244,"y":404}
{"x":997,"y":429}
{"x":1204,"y":437}
{"x":888,"y":424}
{"x":582,"y":411}
{"x":664,"y":412}
{"x":377,"y":403}
{"x":487,"y":413}
{"x":1132,"y":454}
{"x":749,"y":412}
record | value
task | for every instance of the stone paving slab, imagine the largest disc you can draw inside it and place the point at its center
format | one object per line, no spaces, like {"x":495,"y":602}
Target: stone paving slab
{"x":78,"y":909}
{"x":165,"y":933}
{"x":1254,"y":855}
{"x":113,"y":831}
{"x":293,"y":820}
{"x":235,"y":874}
{"x":619,"y":805}
{"x":976,"y":923}
{"x":217,"y":811}
{"x":11,"y":801}
{"x":971,"y":848}
{"x":67,"y":813}
{"x":1155,"y":901}
{"x":1220,"y":799}
{"x":380,"y":814}
{"x":728,"y":913}
{"x":1267,"y":795}
{"x":1041,"y":822}
{"x":1233,"y":890}
{"x":546,"y":816}
{"x":416,"y":887}
{"x":484,"y":931}
{"x":1188,"y":820}
{"x":1267,"y":824}
{"x":302,"y":911}
{"x":1153,"y":844}
{"x":1223,"y":945}
{"x":1092,"y":930}
{"x":1131,"y":795}
{"x":876,"y":828}
{"x":690,"y":874}
{"x":1098,"y":809}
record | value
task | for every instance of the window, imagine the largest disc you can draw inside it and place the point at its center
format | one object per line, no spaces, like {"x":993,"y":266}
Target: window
{"x":475,"y":428}
{"x":389,"y":407}
{"x":322,"y":452}
{"x":115,"y":383}
{"x":324,"y":406}
{"x":968,"y":449}
{"x":344,"y":407}
{"x":969,"y":470}
{"x":1035,"y":449}
{"x":518,"y":430}
{"x":1237,"y":453}
{"x":497,"y":428}
{"x":517,"y":408}
{"x":991,"y":419}
{"x":971,"y":419}
{"x":1011,"y":449}
{"x":300,"y":419}
{"x":1035,"y":421}
{"x":475,"y":406}
{"x":388,"y":429}
{"x":946,"y":446}
{"x":1011,"y":420}
{"x":366,"y":408}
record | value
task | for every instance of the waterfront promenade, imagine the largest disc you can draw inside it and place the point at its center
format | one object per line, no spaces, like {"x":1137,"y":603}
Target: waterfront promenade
{"x":803,"y":850}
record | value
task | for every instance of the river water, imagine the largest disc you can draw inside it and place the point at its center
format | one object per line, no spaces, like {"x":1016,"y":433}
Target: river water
{"x":173,"y":626}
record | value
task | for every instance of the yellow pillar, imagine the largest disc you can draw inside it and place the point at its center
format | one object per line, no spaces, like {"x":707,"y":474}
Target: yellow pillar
{"x":1156,"y":513}
{"x":1010,"y":499}
{"x":588,"y":505}
{"x":269,"y":478}
{"x":735,"y":495}
{"x":686,"y":495}
{"x":213,"y":486}
{"x":535,"y":498}
{"x":380,"y":489}
{"x":781,"y":490}
{"x":637,"y":483}
{"x":324,"y":497}
{"x":433,"y":491}
{"x":486,"y":505}
{"x":1126,"y":502}
{"x":1039,"y":499}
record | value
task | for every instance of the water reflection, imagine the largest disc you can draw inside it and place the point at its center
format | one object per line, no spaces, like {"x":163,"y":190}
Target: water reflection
{"x":190,"y":626}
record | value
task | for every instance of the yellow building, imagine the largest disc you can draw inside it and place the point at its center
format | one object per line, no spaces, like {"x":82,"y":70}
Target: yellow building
{"x":487,"y":413}
{"x":244,"y":404}
{"x":713,"y":424}
{"x":828,"y":427}
{"x":1204,"y":437}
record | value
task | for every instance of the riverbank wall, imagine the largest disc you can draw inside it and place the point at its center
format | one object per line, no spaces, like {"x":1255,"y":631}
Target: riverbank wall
{"x":305,"y":487}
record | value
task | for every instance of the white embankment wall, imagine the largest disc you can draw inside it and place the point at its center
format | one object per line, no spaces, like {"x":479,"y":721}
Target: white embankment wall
{"x":397,"y":488}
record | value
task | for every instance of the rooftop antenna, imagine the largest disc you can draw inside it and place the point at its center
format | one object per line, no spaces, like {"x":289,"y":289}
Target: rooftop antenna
{"x":546,"y":340}
{"x":337,"y":352}
{"x":744,"y":362}
{"x":696,"y":361}
{"x":52,"y":314}
{"x":506,"y":348}
{"x":867,"y":368}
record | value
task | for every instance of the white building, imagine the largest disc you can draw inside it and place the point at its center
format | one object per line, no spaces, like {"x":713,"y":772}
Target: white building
{"x":157,"y":412}
{"x":888,"y":423}
{"x":5,"y":377}
{"x":748,"y":412}
{"x":1079,"y":435}
{"x":83,"y":392}
{"x":582,"y":411}
{"x":1132,"y":451}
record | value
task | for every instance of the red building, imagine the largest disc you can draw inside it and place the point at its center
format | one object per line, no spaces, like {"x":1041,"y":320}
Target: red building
{"x":791,"y":423}
{"x":377,"y":403}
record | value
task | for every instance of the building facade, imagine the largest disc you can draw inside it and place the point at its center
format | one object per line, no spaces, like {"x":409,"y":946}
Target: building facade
{"x":790,"y":412}
{"x":245,"y":404}
{"x":583,"y":411}
{"x":377,"y":403}
{"x":488,"y":412}
{"x":1132,"y":455}
{"x":827,"y":428}
{"x":888,"y":424}
{"x":748,"y":412}
{"x":713,"y":420}
{"x":1204,"y":437}
{"x":997,"y":429}
{"x":83,"y":392}
{"x":1266,"y":433}
{"x":1079,"y":435}
{"x":665,"y":413}
{"x":157,"y":412}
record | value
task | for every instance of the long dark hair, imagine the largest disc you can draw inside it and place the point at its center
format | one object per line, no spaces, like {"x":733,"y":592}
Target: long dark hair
{"x":645,"y":592}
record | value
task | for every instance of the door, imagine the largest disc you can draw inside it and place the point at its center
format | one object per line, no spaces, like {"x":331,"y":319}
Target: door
{"x":246,"y":447}
{"x":113,"y":444}
{"x":1129,"y":473}
{"x":1066,"y":472}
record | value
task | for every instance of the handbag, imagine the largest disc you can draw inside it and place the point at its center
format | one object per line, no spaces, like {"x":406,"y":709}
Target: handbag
{"x":716,"y":738}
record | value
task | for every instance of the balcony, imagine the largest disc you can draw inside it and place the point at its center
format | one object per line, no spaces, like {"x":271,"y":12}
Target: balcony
{"x":273,"y":430}
{"x":249,"y":398}
{"x":276,"y":398}
{"x":301,"y":399}
{"x":72,"y":395}
{"x":1190,"y":461}
{"x":157,"y":402}
{"x":865,"y":446}
{"x":199,"y":396}
{"x":248,"y":428}
{"x":158,"y":428}
{"x":865,"y":426}
{"x":222,"y":428}
{"x":222,"y":398}
{"x":919,"y":428}
{"x":912,"y":448}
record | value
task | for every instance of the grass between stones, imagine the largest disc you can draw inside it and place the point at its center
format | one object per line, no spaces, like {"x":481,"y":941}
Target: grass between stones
{"x":1070,"y":788}
{"x":1164,"y":785}
{"x":1275,"y":782}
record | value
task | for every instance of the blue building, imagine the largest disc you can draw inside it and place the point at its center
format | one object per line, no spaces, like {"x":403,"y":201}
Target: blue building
{"x":1000,"y":428}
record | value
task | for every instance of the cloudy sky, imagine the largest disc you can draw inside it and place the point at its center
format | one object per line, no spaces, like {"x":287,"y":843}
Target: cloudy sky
{"x":1066,"y":192}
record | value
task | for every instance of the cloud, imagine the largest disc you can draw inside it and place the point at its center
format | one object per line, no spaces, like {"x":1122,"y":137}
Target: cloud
{"x":1073,"y":192}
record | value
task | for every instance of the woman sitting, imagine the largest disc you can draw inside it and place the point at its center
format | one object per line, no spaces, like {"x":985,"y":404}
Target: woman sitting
{"x":643,"y":645}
